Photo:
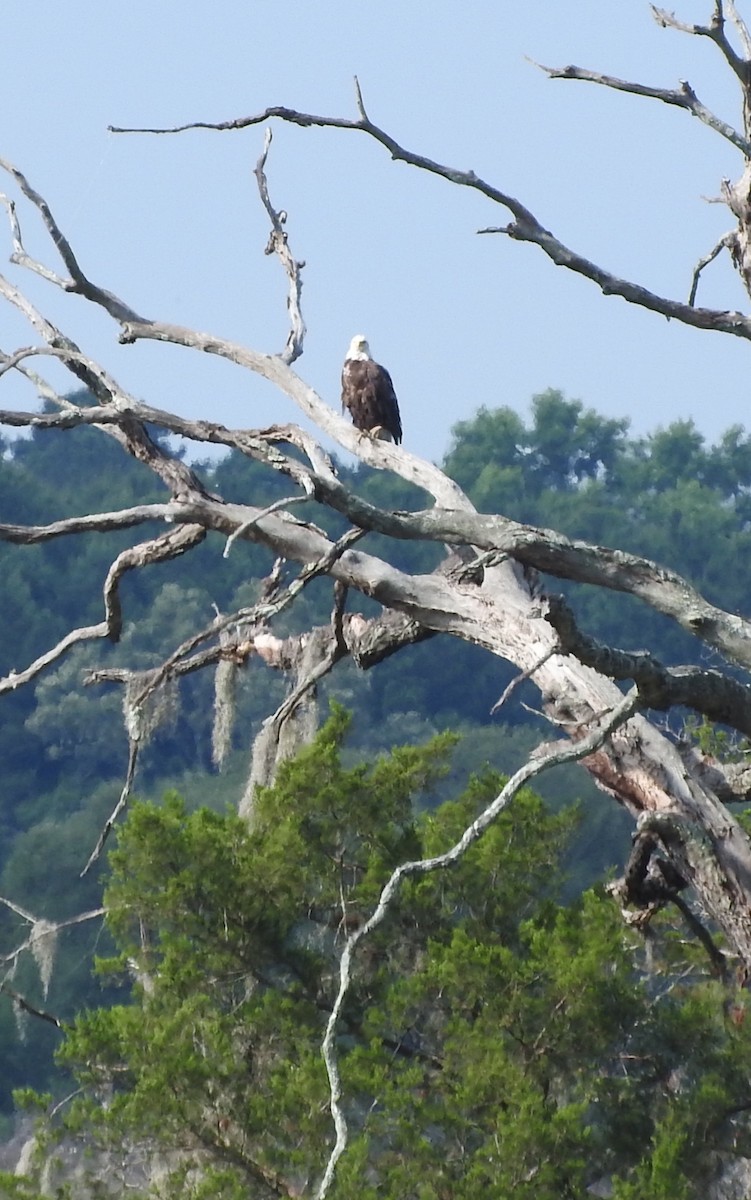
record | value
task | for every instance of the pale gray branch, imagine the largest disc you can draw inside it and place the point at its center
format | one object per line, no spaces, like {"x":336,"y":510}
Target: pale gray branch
{"x":525,"y":227}
{"x":78,"y":281}
{"x":278,"y":244}
{"x":125,"y":518}
{"x":20,"y":912}
{"x":84,"y":369}
{"x":50,"y":930}
{"x":715,"y":31}
{"x":708,"y":692}
{"x":241,"y":530}
{"x":19,"y":255}
{"x":725,"y":243}
{"x":121,"y":803}
{"x":740,"y":25}
{"x":167,"y":546}
{"x":87,"y":633}
{"x":682,"y":97}
{"x":522,"y":677}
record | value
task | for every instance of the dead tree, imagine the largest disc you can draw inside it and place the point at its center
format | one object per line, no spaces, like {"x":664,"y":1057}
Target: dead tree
{"x":488,"y":591}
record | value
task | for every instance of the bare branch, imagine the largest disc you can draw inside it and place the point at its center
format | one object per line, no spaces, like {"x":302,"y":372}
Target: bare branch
{"x":176,"y":475}
{"x":533,"y":767}
{"x":24,"y":1004}
{"x":715,"y":31}
{"x":161,"y":549}
{"x":525,"y":227}
{"x":51,"y":930}
{"x":44,"y":390}
{"x":669,"y":20}
{"x":278,"y":244}
{"x":548,"y":551}
{"x":11,"y":361}
{"x":78,"y":281}
{"x":725,"y":243}
{"x":522,"y":677}
{"x":720,"y":321}
{"x":83,"y":368}
{"x":15,"y":679}
{"x":708,"y":692}
{"x":544,"y":550}
{"x":125,"y":518}
{"x":20,"y":912}
{"x":360,"y":101}
{"x":256,"y":444}
{"x":19,"y":256}
{"x":241,"y":530}
{"x":133,"y":747}
{"x":740,"y":25}
{"x":682,"y":97}
{"x":164,"y":548}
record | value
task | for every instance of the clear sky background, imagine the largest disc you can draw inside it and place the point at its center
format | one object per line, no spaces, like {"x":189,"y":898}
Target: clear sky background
{"x":174,"y":225}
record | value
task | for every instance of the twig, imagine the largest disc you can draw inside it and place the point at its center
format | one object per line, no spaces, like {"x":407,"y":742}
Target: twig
{"x":725,"y":243}
{"x":265,"y":512}
{"x":360,"y":101}
{"x":133,"y":746}
{"x":522,"y":676}
{"x":19,"y":255}
{"x":44,"y":390}
{"x":560,"y":754}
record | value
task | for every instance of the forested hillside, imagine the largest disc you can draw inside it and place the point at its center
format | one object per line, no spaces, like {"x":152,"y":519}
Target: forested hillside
{"x":667,"y":496}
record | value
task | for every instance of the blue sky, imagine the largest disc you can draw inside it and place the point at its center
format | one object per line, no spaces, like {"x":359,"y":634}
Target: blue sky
{"x":174,"y":225}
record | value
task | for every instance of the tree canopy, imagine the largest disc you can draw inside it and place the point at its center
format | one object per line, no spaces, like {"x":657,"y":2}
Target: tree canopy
{"x":492,"y":1038}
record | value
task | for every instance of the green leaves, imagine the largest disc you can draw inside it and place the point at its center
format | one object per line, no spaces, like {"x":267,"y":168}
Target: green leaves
{"x":492,"y":1042}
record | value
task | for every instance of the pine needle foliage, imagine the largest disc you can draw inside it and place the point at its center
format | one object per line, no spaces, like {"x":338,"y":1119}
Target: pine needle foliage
{"x":493,"y":1042}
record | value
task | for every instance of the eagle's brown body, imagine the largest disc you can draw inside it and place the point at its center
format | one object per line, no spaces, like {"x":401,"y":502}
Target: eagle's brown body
{"x":368,"y":393}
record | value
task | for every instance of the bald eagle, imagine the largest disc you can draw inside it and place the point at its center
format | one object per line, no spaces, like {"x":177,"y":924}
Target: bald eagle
{"x":368,"y":393}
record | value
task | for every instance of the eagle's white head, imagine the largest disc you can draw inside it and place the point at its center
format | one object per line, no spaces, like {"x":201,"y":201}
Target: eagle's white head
{"x":358,"y":347}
